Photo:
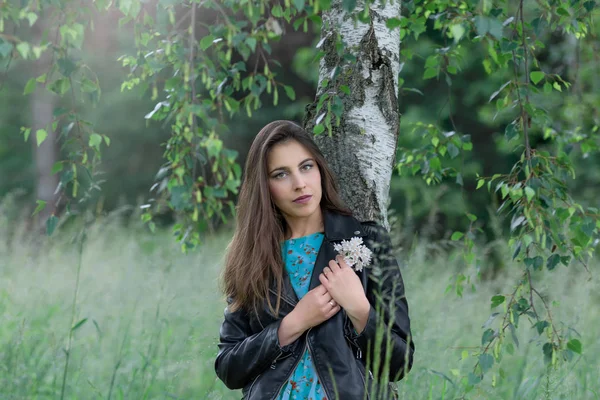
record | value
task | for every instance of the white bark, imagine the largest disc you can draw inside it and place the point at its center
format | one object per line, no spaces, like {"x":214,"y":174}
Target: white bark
{"x":362,"y":150}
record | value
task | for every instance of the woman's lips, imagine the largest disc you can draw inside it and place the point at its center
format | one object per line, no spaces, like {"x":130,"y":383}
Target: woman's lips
{"x":303,"y":200}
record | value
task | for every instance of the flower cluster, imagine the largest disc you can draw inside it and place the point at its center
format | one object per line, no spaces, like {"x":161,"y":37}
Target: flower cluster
{"x":355,"y":253}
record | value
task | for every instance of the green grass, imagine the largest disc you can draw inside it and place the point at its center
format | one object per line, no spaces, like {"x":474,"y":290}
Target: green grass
{"x":153,"y":316}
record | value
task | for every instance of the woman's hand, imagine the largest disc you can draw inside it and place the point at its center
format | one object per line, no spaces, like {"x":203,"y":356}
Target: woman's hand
{"x":314,"y":308}
{"x":346,"y":289}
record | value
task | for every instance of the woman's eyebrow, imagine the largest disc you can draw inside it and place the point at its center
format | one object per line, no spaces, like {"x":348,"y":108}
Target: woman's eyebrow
{"x":285,"y":168}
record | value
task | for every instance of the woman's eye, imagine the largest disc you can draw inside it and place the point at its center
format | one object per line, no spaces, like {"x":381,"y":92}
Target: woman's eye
{"x":279,"y":175}
{"x":307,"y":167}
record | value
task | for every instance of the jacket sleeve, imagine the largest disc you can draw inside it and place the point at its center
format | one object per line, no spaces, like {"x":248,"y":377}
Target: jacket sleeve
{"x":389,"y":311}
{"x":243,"y":356}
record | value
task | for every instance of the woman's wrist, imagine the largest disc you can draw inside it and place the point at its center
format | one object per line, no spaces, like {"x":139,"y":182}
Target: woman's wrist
{"x":360,"y":315}
{"x":290,"y":329}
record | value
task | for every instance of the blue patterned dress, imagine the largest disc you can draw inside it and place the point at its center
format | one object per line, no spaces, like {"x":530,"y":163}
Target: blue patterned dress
{"x":299,"y":257}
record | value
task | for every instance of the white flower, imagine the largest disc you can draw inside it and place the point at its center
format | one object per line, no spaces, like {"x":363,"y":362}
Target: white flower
{"x":355,"y":253}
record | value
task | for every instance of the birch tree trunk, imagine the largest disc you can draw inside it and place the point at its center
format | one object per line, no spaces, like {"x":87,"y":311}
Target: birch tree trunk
{"x":362,"y":149}
{"x":42,"y":109}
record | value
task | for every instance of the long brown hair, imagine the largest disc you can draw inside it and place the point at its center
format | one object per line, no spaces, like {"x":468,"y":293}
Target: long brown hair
{"x":254,"y":259}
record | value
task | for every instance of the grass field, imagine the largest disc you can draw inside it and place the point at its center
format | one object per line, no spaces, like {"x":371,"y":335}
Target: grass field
{"x":153,"y":314}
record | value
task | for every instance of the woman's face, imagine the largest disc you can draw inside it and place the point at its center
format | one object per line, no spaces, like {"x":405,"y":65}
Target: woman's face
{"x":294,"y":180}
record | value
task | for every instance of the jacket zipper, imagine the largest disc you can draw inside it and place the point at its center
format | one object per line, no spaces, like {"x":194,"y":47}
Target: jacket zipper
{"x":364,"y":382}
{"x":280,"y":358}
{"x":316,"y":370}
{"x":287,"y":378}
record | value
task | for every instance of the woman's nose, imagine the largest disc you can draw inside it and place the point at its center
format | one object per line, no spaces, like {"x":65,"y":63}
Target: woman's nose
{"x":298,"y":182}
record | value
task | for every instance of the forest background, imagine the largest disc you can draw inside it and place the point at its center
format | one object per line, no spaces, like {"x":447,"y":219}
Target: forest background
{"x":145,"y":319}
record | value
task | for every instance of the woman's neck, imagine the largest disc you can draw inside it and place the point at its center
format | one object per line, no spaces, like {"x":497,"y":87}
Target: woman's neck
{"x":299,"y":227}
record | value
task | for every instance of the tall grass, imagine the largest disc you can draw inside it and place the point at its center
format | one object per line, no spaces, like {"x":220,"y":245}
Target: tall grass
{"x":152,"y":316}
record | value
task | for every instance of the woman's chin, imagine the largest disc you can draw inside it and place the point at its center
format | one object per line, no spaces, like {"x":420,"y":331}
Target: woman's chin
{"x":302,"y":212}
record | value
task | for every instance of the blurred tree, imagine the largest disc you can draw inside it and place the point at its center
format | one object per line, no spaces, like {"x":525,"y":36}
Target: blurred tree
{"x":45,"y":147}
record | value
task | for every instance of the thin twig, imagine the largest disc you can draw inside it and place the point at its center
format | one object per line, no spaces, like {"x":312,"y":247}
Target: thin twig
{"x":525,"y":116}
{"x":554,"y":330}
{"x":504,"y":323}
{"x":531,"y":294}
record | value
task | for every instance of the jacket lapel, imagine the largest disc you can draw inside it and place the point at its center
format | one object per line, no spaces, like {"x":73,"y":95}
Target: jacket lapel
{"x":337,"y":228}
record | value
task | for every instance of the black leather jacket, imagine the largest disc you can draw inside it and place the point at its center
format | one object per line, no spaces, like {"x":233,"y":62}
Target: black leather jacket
{"x":250,"y":357}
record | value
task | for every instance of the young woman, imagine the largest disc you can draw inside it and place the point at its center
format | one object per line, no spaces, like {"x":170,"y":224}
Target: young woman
{"x":300,"y":323}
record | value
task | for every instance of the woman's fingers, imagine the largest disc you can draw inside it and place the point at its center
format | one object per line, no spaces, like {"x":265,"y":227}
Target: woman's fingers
{"x":333,"y":264}
{"x":341,"y":261}
{"x":324,"y":281}
{"x":333,"y":311}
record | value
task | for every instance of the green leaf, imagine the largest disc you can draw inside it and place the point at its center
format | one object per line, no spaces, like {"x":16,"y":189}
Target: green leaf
{"x":392,"y":23}
{"x":23,"y":49}
{"x":5,"y":49}
{"x":536,"y":76}
{"x":457,"y":236}
{"x":95,"y":140}
{"x":497,"y":300}
{"x":299,"y":4}
{"x":41,"y":204}
{"x":349,"y":5}
{"x":589,"y":5}
{"x":473,"y":379}
{"x":66,"y":66}
{"x":485,"y":25}
{"x":536,"y":262}
{"x":26,"y":132}
{"x":510,"y":349}
{"x":452,"y":150}
{"x":51,"y":224}
{"x":78,"y":325}
{"x":459,"y":179}
{"x":30,"y":86}
{"x":251,"y":42}
{"x":556,"y":86}
{"x":575,"y":346}
{"x":57,"y":167}
{"x":487,"y":336}
{"x":40,"y":136}
{"x":480,"y":183}
{"x":429,"y":73}
{"x":276,"y":11}
{"x":541,"y":325}
{"x":60,"y":86}
{"x":552,"y":261}
{"x":318,"y":129}
{"x":511,"y":131}
{"x":547,"y":349}
{"x":289,"y":91}
{"x":562,"y":11}
{"x":457,"y":31}
{"x":432,"y":62}
{"x":530,"y":193}
{"x":486,"y":361}
{"x":88,"y":85}
{"x":206,"y":41}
